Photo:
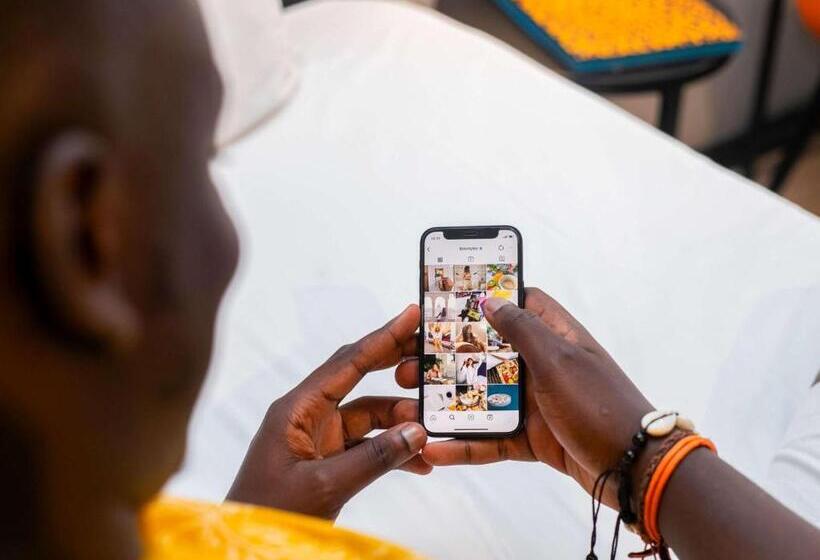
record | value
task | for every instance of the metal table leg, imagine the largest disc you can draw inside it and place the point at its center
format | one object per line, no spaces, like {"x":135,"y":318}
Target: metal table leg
{"x":670,"y":107}
{"x":764,"y":81}
{"x":797,"y":146}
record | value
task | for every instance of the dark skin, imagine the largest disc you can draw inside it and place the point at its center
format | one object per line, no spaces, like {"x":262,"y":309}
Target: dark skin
{"x":582,"y":413}
{"x":116,"y":252}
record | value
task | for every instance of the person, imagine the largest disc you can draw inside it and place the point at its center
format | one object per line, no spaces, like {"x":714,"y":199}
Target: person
{"x":467,"y":279}
{"x":443,"y":282}
{"x":468,"y":372}
{"x":433,"y":373}
{"x":116,"y":253}
{"x":468,"y":337}
{"x":441,"y":314}
{"x":437,"y":335}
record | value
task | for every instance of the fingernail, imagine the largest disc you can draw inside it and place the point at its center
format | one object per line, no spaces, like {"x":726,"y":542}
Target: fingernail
{"x":494,"y":304}
{"x":414,"y":436}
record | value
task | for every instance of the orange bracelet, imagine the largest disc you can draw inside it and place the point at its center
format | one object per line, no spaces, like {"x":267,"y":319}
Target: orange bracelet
{"x":660,"y":478}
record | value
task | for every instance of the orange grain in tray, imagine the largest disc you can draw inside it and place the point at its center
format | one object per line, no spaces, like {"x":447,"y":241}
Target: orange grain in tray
{"x":590,"y":29}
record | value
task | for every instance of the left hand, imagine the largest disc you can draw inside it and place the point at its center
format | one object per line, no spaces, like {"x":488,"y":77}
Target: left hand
{"x":311,"y":455}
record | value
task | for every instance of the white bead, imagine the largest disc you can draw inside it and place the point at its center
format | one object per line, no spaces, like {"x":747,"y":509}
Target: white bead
{"x":685,"y":424}
{"x":659,"y":423}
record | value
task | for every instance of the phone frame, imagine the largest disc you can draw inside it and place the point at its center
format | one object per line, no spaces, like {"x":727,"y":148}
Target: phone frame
{"x":471,"y":232}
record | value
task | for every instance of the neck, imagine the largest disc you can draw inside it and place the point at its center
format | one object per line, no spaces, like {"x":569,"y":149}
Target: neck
{"x":89,"y":514}
{"x":18,"y":475}
{"x":83,"y":526}
{"x":54,"y":509}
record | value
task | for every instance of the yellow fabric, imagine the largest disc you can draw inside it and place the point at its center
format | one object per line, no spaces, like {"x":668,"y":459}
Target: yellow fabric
{"x":589,"y":29}
{"x":175,"y":529}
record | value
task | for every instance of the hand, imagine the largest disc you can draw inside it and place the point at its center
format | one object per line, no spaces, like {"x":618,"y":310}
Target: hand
{"x":311,"y":455}
{"x":581,"y":409}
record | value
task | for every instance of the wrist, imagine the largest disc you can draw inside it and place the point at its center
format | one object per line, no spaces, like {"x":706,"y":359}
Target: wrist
{"x":662,"y":443}
{"x":697,"y":464}
{"x":659,"y":430}
{"x":643,"y":468}
{"x":665,"y":440}
{"x":672,"y":454}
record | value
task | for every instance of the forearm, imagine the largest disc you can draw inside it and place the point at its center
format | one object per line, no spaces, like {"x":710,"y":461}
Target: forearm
{"x":709,"y":510}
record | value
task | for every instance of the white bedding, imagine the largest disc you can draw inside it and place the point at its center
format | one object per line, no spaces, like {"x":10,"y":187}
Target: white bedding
{"x":793,"y":471}
{"x":705,"y":287}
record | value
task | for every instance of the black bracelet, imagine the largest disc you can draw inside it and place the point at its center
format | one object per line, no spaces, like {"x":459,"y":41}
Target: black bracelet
{"x":639,"y":440}
{"x":622,"y":470}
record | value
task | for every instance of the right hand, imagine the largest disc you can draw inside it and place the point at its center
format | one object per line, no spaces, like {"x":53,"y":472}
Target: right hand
{"x":312,"y":454}
{"x":582,"y":410}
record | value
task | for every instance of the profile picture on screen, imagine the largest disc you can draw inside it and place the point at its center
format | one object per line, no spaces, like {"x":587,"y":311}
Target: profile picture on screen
{"x":503,"y":368}
{"x":439,"y":398}
{"x":471,"y":337}
{"x":439,"y":369}
{"x":495,"y":342}
{"x":471,"y":369}
{"x":502,"y":397}
{"x":470,"y":277}
{"x":471,"y":398}
{"x":438,"y":278}
{"x":440,"y":306}
{"x":468,"y":306}
{"x":502,"y":277}
{"x":438,"y":337}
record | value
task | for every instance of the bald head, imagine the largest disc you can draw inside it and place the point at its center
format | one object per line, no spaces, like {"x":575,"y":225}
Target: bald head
{"x":115,"y":252}
{"x":128,"y":72}
{"x":134,"y":77}
{"x":92,"y":62}
{"x":57,"y":53}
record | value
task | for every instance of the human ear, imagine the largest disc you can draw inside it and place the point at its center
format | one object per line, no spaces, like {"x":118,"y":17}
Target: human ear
{"x":76,"y":231}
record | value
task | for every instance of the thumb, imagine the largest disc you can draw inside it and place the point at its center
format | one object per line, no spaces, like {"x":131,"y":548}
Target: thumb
{"x":360,"y":466}
{"x":525,"y":330}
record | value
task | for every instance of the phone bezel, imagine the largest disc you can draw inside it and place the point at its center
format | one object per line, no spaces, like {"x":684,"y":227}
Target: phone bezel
{"x":471,"y":232}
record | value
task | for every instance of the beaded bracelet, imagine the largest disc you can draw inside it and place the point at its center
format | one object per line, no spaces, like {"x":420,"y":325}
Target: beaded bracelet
{"x":656,"y":424}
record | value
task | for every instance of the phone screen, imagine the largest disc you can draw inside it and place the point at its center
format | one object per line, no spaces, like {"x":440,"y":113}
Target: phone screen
{"x":470,"y":377}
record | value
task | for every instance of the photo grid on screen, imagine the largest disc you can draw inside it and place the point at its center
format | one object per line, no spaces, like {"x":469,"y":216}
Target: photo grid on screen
{"x":467,"y":365}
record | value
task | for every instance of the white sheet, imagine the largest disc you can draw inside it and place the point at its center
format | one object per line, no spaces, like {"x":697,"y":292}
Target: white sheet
{"x":251,"y":49}
{"x":705,"y":287}
{"x":793,"y":472}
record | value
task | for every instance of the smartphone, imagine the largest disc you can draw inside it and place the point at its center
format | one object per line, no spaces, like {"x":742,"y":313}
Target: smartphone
{"x":470,"y":378}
